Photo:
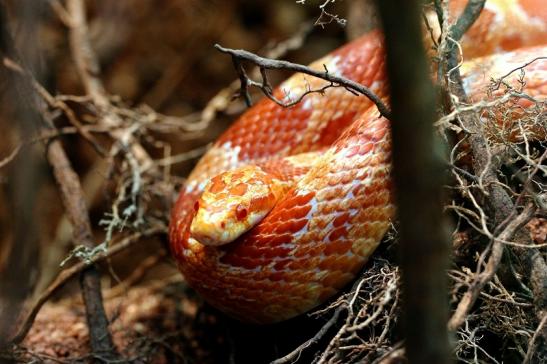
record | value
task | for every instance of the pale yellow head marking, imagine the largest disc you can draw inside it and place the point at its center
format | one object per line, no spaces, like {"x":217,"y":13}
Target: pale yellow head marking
{"x":232,"y":203}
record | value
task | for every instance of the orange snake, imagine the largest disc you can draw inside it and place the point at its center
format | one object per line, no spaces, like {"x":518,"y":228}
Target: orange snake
{"x":330,"y":155}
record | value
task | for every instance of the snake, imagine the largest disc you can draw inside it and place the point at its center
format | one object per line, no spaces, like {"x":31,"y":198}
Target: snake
{"x":288,"y":204}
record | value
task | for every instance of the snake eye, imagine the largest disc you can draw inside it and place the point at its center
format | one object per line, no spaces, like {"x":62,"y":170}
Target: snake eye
{"x":241,"y":212}
{"x":196,"y":206}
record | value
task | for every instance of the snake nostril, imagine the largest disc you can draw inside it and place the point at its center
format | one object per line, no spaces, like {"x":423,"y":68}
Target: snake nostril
{"x":223,"y":225}
{"x":241,"y":212}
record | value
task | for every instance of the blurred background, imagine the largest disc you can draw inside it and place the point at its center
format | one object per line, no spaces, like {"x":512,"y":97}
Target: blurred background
{"x":172,"y":92}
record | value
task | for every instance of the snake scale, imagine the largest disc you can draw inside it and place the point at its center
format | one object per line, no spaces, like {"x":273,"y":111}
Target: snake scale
{"x":297,"y":199}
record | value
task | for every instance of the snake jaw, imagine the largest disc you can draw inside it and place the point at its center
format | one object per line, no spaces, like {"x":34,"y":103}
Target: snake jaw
{"x":232,"y":203}
{"x":222,"y":227}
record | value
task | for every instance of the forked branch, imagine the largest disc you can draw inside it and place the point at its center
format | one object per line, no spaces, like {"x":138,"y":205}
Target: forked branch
{"x":239,"y":56}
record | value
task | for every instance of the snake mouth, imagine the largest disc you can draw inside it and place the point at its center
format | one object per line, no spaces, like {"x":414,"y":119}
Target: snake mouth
{"x":211,"y":233}
{"x":223,"y":228}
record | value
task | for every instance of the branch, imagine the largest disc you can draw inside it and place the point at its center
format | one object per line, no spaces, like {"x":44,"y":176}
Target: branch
{"x":57,"y":103}
{"x":482,"y":278}
{"x":533,"y":344}
{"x":469,"y":15}
{"x":73,"y":200}
{"x":295,"y":354}
{"x":69,"y":273}
{"x":76,"y":208}
{"x":87,"y":66}
{"x":498,"y":202}
{"x":264,"y":64}
{"x":418,"y":180}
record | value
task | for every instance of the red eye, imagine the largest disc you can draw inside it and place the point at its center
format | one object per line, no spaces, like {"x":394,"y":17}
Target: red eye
{"x":196,"y":206}
{"x":241,"y":212}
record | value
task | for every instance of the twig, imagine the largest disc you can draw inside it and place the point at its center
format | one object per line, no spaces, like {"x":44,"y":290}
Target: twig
{"x":87,"y":66}
{"x":475,"y":288}
{"x":138,"y":273}
{"x":55,"y":103}
{"x":532,"y":346}
{"x":295,"y":354}
{"x":69,"y":273}
{"x":470,"y":14}
{"x":11,"y":156}
{"x":499,"y":202}
{"x":239,"y":55}
{"x":76,"y":208}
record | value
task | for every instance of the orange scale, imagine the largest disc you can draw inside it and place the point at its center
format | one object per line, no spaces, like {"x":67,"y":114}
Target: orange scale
{"x":336,"y":280}
{"x":366,"y":148}
{"x":297,"y":225}
{"x":299,"y":264}
{"x":238,"y":261}
{"x":302,"y":251}
{"x":348,"y":262}
{"x":367,"y":199}
{"x":239,"y":190}
{"x":372,"y":188}
{"x":383,"y":198}
{"x":353,"y":151}
{"x":375,"y":214}
{"x":328,"y":194}
{"x":341,"y":219}
{"x":276,"y":277}
{"x":338,"y":247}
{"x":302,"y":200}
{"x":247,"y":250}
{"x":307,"y":277}
{"x":237,"y":292}
{"x":281,"y":264}
{"x":335,"y":264}
{"x":276,"y":252}
{"x":325,"y":209}
{"x":300,"y":211}
{"x":283,"y":215}
{"x":327,"y":262}
{"x":338,"y":233}
{"x":275,"y":240}
{"x":350,"y":177}
{"x":362,"y":230}
{"x":319,"y":223}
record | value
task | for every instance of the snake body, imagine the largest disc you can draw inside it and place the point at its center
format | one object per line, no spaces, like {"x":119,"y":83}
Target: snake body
{"x":326,"y":223}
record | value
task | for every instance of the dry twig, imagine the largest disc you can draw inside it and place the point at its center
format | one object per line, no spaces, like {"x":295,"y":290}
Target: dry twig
{"x":239,"y":55}
{"x":69,"y":273}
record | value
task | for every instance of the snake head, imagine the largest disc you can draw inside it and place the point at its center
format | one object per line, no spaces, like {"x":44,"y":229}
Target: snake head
{"x":232,"y":203}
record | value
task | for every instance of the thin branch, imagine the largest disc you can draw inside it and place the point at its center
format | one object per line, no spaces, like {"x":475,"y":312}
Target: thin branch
{"x":76,"y":208}
{"x":295,"y":354}
{"x":74,"y":202}
{"x":469,"y":15}
{"x":239,"y":55}
{"x":87,"y":66}
{"x":533,"y":346}
{"x":69,"y":273}
{"x":482,"y":278}
{"x":498,"y":202}
{"x":57,"y":103}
